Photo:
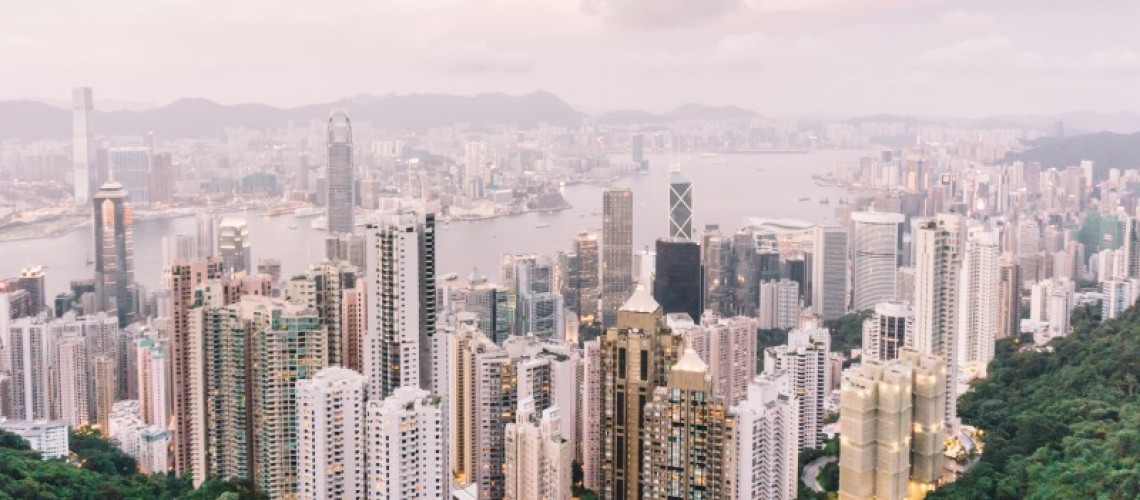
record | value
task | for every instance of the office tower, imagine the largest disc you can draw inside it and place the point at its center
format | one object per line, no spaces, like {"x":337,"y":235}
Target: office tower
{"x":677,"y":282}
{"x":538,"y":458}
{"x":887,"y":331}
{"x":1009,"y":297}
{"x":1119,"y":294}
{"x":352,"y":326}
{"x":904,"y":288}
{"x":779,"y":304}
{"x":875,"y":243}
{"x":104,"y":379}
{"x":719,"y":275}
{"x":346,"y":248}
{"x":207,"y":242}
{"x":407,"y":446}
{"x":270,"y":267}
{"x":680,"y":206}
{"x":33,"y":280}
{"x":161,"y":179}
{"x":490,"y":303}
{"x":146,"y":443}
{"x":401,"y":304}
{"x":29,"y":349}
{"x":829,"y":272}
{"x":635,"y":359}
{"x":74,"y":373}
{"x":978,"y":320}
{"x":234,"y":245}
{"x":892,"y":427}
{"x":287,"y":343}
{"x":746,"y":266}
{"x":474,"y":160}
{"x":765,"y":445}
{"x":340,"y":186}
{"x":538,"y":305}
{"x":183,"y":277}
{"x":82,"y":146}
{"x":617,"y":252}
{"x":131,"y":168}
{"x":938,"y":260}
{"x":591,"y":432}
{"x":465,"y":346}
{"x":152,"y":382}
{"x":728,"y":346}
{"x":330,"y":435}
{"x":687,"y":437}
{"x":583,"y":283}
{"x":637,"y":149}
{"x":114,"y":253}
{"x":1051,"y":301}
{"x":804,"y":357}
{"x":321,"y":288}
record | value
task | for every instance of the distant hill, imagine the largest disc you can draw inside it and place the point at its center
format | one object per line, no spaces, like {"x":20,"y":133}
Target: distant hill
{"x":1076,"y":122}
{"x":1106,"y":150}
{"x":682,"y":113}
{"x":199,"y":118}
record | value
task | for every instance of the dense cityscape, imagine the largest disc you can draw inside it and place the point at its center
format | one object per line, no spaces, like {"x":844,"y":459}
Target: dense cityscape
{"x":500,"y":296}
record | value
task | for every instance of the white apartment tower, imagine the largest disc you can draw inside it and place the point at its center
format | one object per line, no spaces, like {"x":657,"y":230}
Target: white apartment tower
{"x":804,"y":358}
{"x":728,"y":347}
{"x":407,"y":446}
{"x":330,"y":435}
{"x":978,"y":316}
{"x":887,"y":331}
{"x":766,"y":447}
{"x":1119,"y":294}
{"x":779,"y":304}
{"x":875,"y":244}
{"x":538,"y":458}
{"x":74,"y":375}
{"x":591,"y":444}
{"x":938,"y":260}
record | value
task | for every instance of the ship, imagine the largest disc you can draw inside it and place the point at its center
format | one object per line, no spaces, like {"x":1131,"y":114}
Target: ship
{"x":450,"y":277}
{"x":824,"y":201}
{"x":541,"y":225}
{"x":320,"y":224}
{"x":276,"y":211}
{"x":805,"y":199}
{"x":304,"y":212}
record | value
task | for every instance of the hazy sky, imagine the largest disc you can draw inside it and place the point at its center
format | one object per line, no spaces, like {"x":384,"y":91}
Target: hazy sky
{"x":779,"y":57}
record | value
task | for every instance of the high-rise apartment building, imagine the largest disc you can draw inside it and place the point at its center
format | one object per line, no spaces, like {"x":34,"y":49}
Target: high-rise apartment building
{"x":147,"y":444}
{"x":330,"y":435}
{"x":407,"y":446}
{"x":1119,"y":294}
{"x":538,"y":305}
{"x":322,"y":288}
{"x":804,"y":358}
{"x":876,"y":241}
{"x":115,"y":290}
{"x":74,"y":377}
{"x":581,"y":288}
{"x":1051,"y":301}
{"x":490,"y":303}
{"x":686,"y":437}
{"x":1009,"y":297}
{"x":104,"y":376}
{"x":978,"y":295}
{"x":938,"y":260}
{"x":401,"y":305}
{"x":33,"y":280}
{"x":152,"y":382}
{"x":590,"y":443}
{"x":82,"y":146}
{"x":680,"y":206}
{"x":887,"y":331}
{"x":352,"y":326}
{"x":829,"y":272}
{"x":29,"y":347}
{"x":340,"y":174}
{"x":765,"y":441}
{"x":728,"y":347}
{"x":234,"y":245}
{"x":538,"y":457}
{"x":779,"y":304}
{"x":891,"y":420}
{"x":617,"y":252}
{"x":677,"y":283}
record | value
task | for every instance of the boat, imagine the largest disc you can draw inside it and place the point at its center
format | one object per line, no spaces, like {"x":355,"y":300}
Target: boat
{"x":320,"y":223}
{"x":542,"y":225}
{"x":275,"y":211}
{"x":304,"y":212}
{"x":293,"y":227}
{"x":824,"y":201}
{"x":450,"y":277}
{"x":805,"y":199}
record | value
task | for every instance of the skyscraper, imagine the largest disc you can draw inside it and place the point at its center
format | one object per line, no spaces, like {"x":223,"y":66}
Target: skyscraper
{"x":538,"y":457}
{"x":82,"y":147}
{"x":114,"y":254}
{"x":74,"y":400}
{"x":829,"y":272}
{"x":538,"y":305}
{"x":131,"y":168}
{"x":490,"y":303}
{"x":617,"y":252}
{"x":1009,"y":297}
{"x":340,"y":189}
{"x":892,"y":428}
{"x":978,"y":320}
{"x":766,"y":446}
{"x":887,"y":331}
{"x":234,"y":245}
{"x":583,"y":282}
{"x":330,"y":436}
{"x":104,"y":375}
{"x":938,"y":261}
{"x":875,"y":246}
{"x":152,"y":382}
{"x":322,"y":288}
{"x":591,"y":439}
{"x":677,"y":281}
{"x":717,"y":260}
{"x":401,"y":304}
{"x":728,"y":347}
{"x":407,"y":446}
{"x":33,"y":280}
{"x":805,"y":359}
{"x":474,"y":160}
{"x":779,"y":304}
{"x":680,"y":206}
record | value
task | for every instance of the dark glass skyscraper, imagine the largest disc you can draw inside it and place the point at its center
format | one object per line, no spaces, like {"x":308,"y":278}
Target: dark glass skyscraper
{"x":339,"y":182}
{"x":677,"y":280}
{"x":114,"y":253}
{"x":617,"y":252}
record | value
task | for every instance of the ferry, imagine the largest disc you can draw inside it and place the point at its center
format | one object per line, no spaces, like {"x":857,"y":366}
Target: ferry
{"x":542,"y":225}
{"x":805,"y":199}
{"x":450,"y":277}
{"x":304,"y":212}
{"x":320,"y":224}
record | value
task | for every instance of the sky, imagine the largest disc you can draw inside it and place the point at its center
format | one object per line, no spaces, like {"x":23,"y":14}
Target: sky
{"x":781,"y":58}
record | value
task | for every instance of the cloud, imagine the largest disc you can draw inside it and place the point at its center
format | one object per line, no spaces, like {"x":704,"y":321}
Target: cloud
{"x":479,"y":58}
{"x":970,"y":53}
{"x":659,"y":13}
{"x":758,"y":50}
{"x":963,"y":20}
{"x":999,"y":53}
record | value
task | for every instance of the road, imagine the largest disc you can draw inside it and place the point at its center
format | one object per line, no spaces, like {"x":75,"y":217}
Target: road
{"x":811,"y":472}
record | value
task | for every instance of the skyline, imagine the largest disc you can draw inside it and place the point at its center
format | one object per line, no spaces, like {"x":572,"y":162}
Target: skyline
{"x":779,"y":58}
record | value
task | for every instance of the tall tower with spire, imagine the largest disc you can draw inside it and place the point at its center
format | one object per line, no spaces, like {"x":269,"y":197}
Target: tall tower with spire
{"x":341,"y":199}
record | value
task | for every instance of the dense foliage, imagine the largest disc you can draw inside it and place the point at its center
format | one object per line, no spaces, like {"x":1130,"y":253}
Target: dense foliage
{"x":98,"y":470}
{"x":847,"y":331}
{"x":1059,"y":424}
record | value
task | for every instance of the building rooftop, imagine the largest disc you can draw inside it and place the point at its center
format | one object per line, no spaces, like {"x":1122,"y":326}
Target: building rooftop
{"x":690,"y":362}
{"x":641,"y":302}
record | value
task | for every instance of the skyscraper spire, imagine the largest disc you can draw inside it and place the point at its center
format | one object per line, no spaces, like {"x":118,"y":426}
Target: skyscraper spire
{"x":341,"y":201}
